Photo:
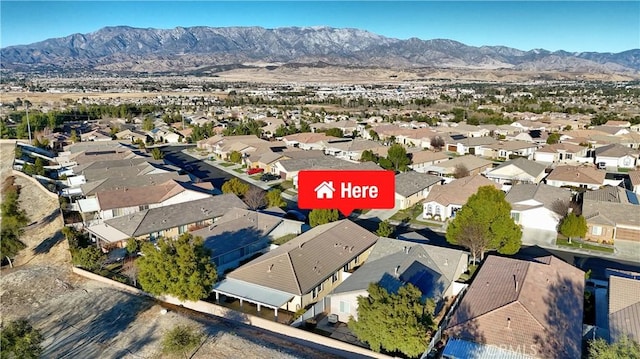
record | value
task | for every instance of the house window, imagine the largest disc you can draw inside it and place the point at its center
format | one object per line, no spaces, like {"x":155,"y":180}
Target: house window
{"x":346,"y":267}
{"x":568,"y":156}
{"x":316,"y":290}
{"x":437,"y":210}
{"x":626,"y":162}
{"x":143,"y":207}
{"x":515,"y":216}
{"x":429,"y":209}
{"x":596,"y":230}
{"x":182,"y":229}
{"x":344,"y":307}
{"x":334,"y":277}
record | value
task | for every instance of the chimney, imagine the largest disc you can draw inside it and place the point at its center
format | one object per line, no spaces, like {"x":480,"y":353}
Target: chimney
{"x":446,"y":261}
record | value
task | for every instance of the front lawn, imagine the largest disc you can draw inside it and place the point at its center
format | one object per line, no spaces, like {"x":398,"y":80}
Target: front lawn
{"x":407,"y":215}
{"x":227,"y":164}
{"x":583,"y":245}
{"x":239,"y":170}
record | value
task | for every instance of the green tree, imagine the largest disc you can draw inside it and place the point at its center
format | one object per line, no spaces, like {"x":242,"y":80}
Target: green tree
{"x":484,"y":223}
{"x":623,"y":348}
{"x":133,"y":246}
{"x":553,"y":138}
{"x":573,"y":226}
{"x":235,"y":157}
{"x":235,"y":186}
{"x":368,"y":155}
{"x":374,"y":135}
{"x":335,"y":132}
{"x":39,"y":166}
{"x":147,"y":124}
{"x":397,"y":154}
{"x":20,"y":340}
{"x":90,"y":258}
{"x":304,"y":126}
{"x":13,"y":221}
{"x":180,"y":340}
{"x":73,"y":137}
{"x":181,"y":268}
{"x":323,"y":216}
{"x":274,"y":199}
{"x":394,"y":321}
{"x":157,"y":154}
{"x":384,"y":229}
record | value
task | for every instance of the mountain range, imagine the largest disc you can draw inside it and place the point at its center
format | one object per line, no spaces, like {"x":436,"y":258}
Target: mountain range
{"x":214,"y":49}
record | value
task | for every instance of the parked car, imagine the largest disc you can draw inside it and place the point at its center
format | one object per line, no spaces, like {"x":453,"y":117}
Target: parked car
{"x":253,"y":171}
{"x":268,"y":177}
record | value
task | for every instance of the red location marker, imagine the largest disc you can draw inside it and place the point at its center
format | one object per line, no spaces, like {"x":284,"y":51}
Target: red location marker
{"x":346,"y":190}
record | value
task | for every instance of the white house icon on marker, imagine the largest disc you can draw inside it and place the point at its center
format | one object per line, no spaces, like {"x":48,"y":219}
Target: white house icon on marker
{"x":325,"y":190}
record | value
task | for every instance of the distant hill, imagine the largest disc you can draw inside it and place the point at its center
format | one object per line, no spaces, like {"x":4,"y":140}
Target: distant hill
{"x":129,"y":49}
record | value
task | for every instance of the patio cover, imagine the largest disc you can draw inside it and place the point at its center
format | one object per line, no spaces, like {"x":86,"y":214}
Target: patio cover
{"x":253,"y":293}
{"x":462,"y":349}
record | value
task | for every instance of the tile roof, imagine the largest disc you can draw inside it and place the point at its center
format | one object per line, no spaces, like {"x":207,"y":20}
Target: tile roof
{"x":303,"y":263}
{"x":471,"y":162}
{"x":411,"y":182}
{"x":624,"y":308}
{"x":167,"y":217}
{"x":427,"y":156}
{"x":560,"y":147}
{"x":616,"y":150}
{"x":325,"y":162}
{"x":577,"y":174}
{"x":634,"y":177}
{"x":611,"y":205}
{"x":411,"y":260}
{"x":139,"y":196}
{"x":115,"y":183}
{"x":459,"y":190}
{"x":510,"y":145}
{"x":523,"y":304}
{"x":308,"y":137}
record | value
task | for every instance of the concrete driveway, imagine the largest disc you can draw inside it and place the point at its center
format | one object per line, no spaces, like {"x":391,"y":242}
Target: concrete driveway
{"x":539,"y":237}
{"x":627,"y":249}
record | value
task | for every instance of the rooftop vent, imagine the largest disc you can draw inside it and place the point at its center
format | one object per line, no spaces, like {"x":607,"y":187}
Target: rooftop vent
{"x":270,"y":267}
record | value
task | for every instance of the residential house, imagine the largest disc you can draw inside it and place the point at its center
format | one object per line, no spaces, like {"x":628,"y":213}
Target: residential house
{"x":519,"y":170}
{"x":624,"y":308}
{"x":576,"y":176}
{"x":347,"y":126}
{"x":393,"y":263}
{"x":97,"y":135}
{"x":444,"y":201}
{"x":617,"y":156}
{"x":612,"y":130}
{"x":473,"y":164}
{"x":288,"y":169}
{"x":168,"y":221}
{"x":303,"y":270}
{"x":127,"y":201}
{"x":90,"y":189}
{"x":614,"y":123}
{"x":528,"y":308}
{"x":612,"y":215}
{"x":308,"y":141}
{"x":421,"y":160}
{"x":532,"y":207}
{"x":507,"y":150}
{"x":351,"y":149}
{"x":562,"y":153}
{"x":268,"y":160}
{"x":131,"y":135}
{"x":241,"y":234}
{"x":468,"y":130}
{"x":412,"y":187}
{"x":471,"y":145}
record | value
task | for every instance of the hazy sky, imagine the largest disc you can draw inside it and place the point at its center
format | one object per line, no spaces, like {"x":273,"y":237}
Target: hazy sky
{"x":573,"y":26}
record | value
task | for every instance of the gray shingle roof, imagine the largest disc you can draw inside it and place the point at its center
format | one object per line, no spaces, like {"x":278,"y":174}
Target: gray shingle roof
{"x":542,"y":193}
{"x":408,"y":183}
{"x":414,"y":263}
{"x":303,"y":263}
{"x":616,"y":150}
{"x":114,"y":183}
{"x":157,"y":219}
{"x":610,"y":205}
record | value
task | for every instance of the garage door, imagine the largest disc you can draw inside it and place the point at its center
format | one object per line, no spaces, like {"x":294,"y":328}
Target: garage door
{"x":628,"y":234}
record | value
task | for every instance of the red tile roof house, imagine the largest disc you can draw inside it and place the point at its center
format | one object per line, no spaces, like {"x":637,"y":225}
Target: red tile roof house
{"x":528,"y":309}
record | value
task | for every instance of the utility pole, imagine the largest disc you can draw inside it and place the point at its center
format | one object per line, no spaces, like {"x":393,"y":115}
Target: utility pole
{"x":28,"y":123}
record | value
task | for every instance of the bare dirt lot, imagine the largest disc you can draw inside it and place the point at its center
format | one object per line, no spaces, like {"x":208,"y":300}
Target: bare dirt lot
{"x":80,"y":318}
